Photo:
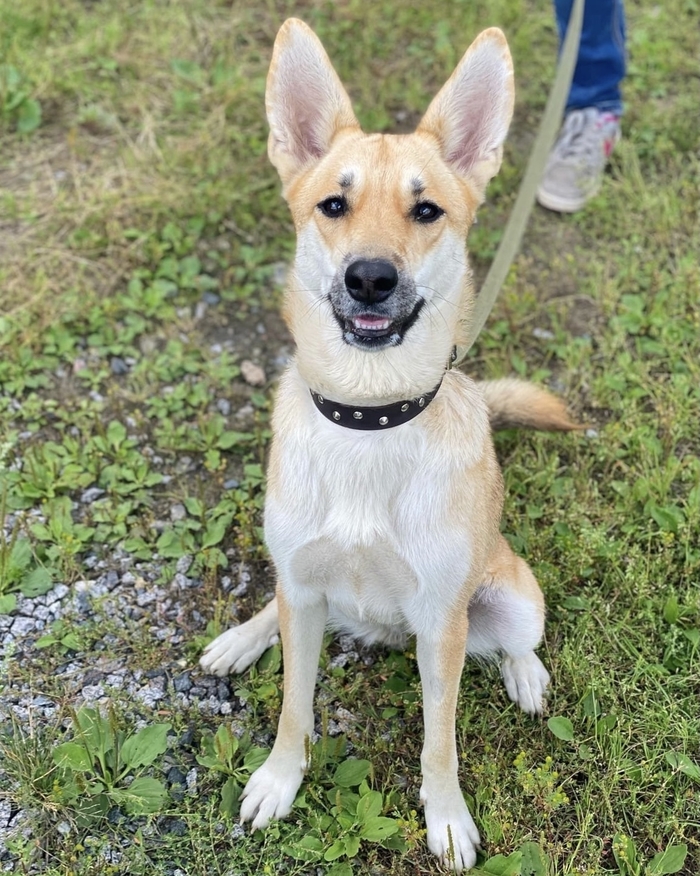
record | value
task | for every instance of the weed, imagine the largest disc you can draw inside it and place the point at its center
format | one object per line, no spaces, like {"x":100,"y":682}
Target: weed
{"x":104,"y":764}
{"x":234,"y":757}
{"x":17,"y":108}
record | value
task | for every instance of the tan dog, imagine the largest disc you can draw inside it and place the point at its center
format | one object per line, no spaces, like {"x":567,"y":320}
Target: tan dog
{"x":384,"y":494}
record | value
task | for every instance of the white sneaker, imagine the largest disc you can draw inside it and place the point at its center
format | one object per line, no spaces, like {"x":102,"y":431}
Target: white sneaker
{"x":576,"y":163}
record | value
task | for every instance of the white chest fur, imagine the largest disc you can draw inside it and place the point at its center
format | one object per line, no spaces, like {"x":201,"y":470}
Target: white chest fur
{"x":367,"y":520}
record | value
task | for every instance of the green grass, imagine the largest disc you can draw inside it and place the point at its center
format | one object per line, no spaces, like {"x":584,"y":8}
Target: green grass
{"x":133,"y":179}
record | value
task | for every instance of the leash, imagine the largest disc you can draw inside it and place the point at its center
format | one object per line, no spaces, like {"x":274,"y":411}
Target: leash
{"x":513,"y":234}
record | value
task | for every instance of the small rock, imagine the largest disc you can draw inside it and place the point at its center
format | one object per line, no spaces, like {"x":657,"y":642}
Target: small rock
{"x":182,"y":683}
{"x":347,"y":643}
{"x":93,"y":693}
{"x":58,"y":593}
{"x":211,"y":298}
{"x":231,"y":484}
{"x":200,"y":310}
{"x":252,"y":373}
{"x":191,"y":781}
{"x":176,"y":776}
{"x":345,"y":720}
{"x":542,"y":334}
{"x":187,"y":737}
{"x":237,"y":831}
{"x":111,"y":579}
{"x":151,"y":694}
{"x":118,"y":366}
{"x":178,"y":512}
{"x":223,"y":405}
{"x":23,"y":626}
{"x":183,"y":564}
{"x":178,"y":828}
{"x":87,"y":497}
{"x":147,"y":345}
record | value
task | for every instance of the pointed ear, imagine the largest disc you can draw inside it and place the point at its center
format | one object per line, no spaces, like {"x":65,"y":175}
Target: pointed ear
{"x":470,"y":115}
{"x":305,"y":101}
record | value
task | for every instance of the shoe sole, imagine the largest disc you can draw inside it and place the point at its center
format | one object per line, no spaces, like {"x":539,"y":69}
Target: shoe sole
{"x":563,"y":205}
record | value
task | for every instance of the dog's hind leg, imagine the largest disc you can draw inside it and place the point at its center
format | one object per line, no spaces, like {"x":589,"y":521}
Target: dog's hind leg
{"x":238,"y":648}
{"x":506,"y":617}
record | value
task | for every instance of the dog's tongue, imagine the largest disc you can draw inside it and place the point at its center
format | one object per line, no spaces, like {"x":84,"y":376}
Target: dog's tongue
{"x":373,"y":323}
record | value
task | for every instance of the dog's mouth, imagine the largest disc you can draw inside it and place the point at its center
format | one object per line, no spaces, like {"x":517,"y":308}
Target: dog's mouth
{"x":372,"y":331}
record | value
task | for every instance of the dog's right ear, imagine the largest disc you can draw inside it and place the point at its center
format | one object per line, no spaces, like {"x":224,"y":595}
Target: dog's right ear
{"x":305,"y":101}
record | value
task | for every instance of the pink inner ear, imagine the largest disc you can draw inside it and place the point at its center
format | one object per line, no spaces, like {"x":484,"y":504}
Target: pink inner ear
{"x":305,"y":123}
{"x":476,"y":128}
{"x":466,"y":142}
{"x":471,"y":114}
{"x":306,"y":101}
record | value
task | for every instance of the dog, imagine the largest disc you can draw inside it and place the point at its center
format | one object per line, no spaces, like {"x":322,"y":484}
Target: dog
{"x":384,"y":495}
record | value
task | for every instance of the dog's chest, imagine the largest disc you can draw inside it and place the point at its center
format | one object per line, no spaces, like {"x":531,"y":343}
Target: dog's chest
{"x":365,"y":519}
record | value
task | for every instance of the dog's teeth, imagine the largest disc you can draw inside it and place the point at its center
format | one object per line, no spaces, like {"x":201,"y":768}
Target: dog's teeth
{"x":363,"y":322}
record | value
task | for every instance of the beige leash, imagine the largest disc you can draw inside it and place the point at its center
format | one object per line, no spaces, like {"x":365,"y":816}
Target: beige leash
{"x":517,"y":222}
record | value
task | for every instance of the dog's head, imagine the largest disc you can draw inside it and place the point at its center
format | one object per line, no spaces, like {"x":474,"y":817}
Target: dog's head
{"x":382,"y":220}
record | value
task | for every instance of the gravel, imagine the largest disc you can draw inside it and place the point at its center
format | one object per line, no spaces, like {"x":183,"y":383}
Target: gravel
{"x":122,"y":615}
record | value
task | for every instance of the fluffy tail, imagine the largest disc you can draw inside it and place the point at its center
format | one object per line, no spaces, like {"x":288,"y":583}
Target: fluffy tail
{"x":518,"y":403}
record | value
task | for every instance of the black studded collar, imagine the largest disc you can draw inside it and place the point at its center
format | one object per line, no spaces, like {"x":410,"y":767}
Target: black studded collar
{"x":376,"y":418}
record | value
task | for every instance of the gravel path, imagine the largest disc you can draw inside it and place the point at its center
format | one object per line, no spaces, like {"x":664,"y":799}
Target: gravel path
{"x":124,"y":600}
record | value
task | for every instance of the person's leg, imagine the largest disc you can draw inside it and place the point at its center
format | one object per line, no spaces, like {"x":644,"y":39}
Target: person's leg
{"x":591,"y":127}
{"x":600,"y":67}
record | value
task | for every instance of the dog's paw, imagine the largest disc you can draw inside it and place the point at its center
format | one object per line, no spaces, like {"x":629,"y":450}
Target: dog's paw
{"x":236,"y":649}
{"x":452,"y":834}
{"x":526,"y":682}
{"x":270,"y":792}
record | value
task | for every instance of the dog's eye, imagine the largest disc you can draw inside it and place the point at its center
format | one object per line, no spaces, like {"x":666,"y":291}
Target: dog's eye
{"x":426,"y":212}
{"x":334,"y":208}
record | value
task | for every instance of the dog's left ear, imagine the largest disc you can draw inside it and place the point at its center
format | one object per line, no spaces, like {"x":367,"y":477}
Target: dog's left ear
{"x":305,"y":101}
{"x":470,"y":115}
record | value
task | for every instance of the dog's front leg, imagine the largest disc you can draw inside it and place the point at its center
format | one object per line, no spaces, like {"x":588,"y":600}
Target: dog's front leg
{"x":452,"y":834}
{"x":272,"y":788}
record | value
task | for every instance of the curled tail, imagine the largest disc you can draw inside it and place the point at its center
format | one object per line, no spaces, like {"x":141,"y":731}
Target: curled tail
{"x":514,"y":402}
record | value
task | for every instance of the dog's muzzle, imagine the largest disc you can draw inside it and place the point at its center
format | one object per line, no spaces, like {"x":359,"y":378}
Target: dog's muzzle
{"x":373,"y":304}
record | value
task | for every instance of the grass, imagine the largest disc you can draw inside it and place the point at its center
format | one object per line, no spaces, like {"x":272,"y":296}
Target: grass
{"x":134,"y":182}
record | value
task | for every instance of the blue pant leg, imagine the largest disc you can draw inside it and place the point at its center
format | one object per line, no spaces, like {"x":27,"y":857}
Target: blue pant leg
{"x":601,"y":59}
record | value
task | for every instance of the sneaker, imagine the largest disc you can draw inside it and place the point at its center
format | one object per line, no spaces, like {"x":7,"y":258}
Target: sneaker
{"x":576,"y":163}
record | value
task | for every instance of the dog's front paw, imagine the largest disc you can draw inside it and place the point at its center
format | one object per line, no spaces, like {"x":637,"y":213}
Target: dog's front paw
{"x":270,"y":792}
{"x":452,"y":834}
{"x":237,"y":649}
{"x":526,"y":682}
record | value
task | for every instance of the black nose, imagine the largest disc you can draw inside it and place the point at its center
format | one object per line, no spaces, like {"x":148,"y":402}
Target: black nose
{"x":371,"y":280}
